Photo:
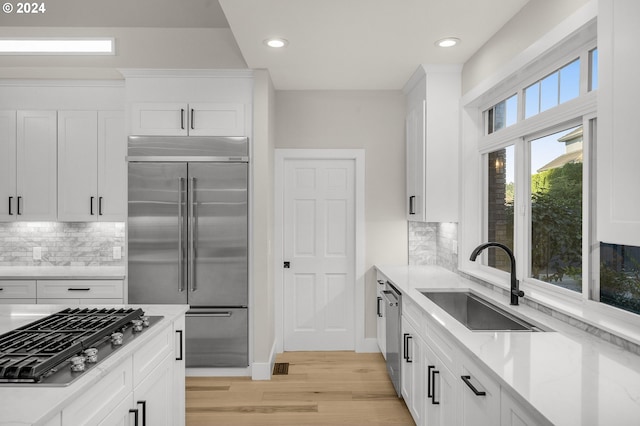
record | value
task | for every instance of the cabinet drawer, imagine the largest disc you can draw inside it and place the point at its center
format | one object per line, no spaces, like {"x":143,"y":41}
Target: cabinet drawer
{"x":413,"y":314}
{"x":441,"y":345}
{"x":17,"y":289}
{"x":79,"y":289}
{"x":151,"y":354}
{"x":103,"y":397}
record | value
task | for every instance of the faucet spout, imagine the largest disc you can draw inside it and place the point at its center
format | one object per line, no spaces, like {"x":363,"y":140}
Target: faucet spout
{"x":515,"y":287}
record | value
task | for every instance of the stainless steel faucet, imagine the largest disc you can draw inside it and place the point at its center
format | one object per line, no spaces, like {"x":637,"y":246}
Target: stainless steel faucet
{"x":515,"y":287}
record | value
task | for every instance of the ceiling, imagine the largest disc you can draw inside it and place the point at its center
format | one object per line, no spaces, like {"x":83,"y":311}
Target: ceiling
{"x":333,"y":44}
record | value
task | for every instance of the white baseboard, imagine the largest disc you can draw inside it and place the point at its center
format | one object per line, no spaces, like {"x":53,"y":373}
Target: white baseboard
{"x":368,"y":345}
{"x":262,"y":370}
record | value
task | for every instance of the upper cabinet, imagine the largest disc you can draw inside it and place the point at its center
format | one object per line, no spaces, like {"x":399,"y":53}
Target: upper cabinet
{"x":189,"y":102}
{"x":432,"y":137}
{"x":27,"y":165}
{"x":91,"y":166}
{"x":617,"y":149}
{"x":182,"y":119}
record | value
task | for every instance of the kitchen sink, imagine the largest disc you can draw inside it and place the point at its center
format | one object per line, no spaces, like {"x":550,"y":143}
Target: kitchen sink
{"x":477,"y":313}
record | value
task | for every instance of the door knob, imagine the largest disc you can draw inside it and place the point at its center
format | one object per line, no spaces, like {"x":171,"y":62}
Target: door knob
{"x":287,"y":265}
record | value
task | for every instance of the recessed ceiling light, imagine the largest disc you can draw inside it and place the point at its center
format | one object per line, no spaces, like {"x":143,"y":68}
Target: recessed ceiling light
{"x":448,"y":42}
{"x":276,"y":42}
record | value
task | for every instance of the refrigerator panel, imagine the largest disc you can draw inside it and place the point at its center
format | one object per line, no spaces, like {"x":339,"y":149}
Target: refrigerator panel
{"x":217,"y":338}
{"x":157,"y":224}
{"x":218,"y":216}
{"x":187,"y":146}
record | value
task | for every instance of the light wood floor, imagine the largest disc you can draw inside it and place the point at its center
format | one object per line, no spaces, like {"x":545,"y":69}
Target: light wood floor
{"x":322,"y":388}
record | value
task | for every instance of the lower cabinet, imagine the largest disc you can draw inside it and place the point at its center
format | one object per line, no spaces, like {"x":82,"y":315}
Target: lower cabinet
{"x":152,"y":397}
{"x":479,"y":396}
{"x":381,"y":315}
{"x":412,"y":372}
{"x":17,"y":291}
{"x":441,"y":402}
{"x":75,"y":292}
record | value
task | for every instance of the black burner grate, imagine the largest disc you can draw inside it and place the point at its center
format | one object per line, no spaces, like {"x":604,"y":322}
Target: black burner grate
{"x":28,"y":352}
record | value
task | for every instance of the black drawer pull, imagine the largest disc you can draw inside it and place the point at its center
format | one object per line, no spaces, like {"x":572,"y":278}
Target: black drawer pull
{"x":135,"y":415}
{"x":19,"y":202}
{"x":179,"y":357}
{"x":467,"y":380}
{"x":378,"y":307}
{"x":412,"y":201}
{"x":405,"y":355}
{"x":433,"y":392}
{"x":10,"y":203}
{"x":78,"y":289}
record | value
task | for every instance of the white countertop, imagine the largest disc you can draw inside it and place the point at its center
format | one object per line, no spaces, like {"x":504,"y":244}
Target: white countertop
{"x":62,"y":272}
{"x":569,"y":376}
{"x":36,"y":404}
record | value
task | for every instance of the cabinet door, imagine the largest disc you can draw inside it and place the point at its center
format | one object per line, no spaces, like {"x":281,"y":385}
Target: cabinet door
{"x":415,"y":134}
{"x":381,"y":319}
{"x":36,"y":165}
{"x":152,"y":397}
{"x":112,"y":167}
{"x":8,"y":166}
{"x":178,"y":397}
{"x":121,"y":415}
{"x":412,"y":372}
{"x":17,"y":289}
{"x":440,"y":391}
{"x":216,"y":119}
{"x":515,"y":414}
{"x":77,"y":166}
{"x":169,"y":119}
{"x":79,"y":289}
{"x":480,"y":397}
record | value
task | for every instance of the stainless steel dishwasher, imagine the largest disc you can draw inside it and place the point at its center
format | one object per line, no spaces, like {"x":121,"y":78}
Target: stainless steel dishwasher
{"x":393,"y":301}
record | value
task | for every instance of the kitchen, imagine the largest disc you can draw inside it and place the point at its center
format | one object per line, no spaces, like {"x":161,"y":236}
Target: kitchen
{"x":292,"y":115}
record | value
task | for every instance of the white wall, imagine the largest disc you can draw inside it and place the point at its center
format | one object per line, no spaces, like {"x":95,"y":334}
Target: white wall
{"x":169,"y":48}
{"x":533,"y":21}
{"x":370,"y":120}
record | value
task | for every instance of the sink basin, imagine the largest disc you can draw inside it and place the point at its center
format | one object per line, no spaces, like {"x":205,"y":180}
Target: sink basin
{"x":478,"y":314}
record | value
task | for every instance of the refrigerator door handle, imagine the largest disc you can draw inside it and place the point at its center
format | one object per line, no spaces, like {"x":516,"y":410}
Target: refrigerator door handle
{"x":192,"y":278}
{"x":180,"y":242}
{"x":204,"y":314}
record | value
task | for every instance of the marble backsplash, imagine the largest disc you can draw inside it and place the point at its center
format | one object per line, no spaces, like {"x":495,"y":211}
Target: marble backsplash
{"x":61,"y":243}
{"x":434,"y":243}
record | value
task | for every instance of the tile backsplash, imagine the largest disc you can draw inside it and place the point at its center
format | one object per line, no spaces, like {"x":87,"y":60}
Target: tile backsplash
{"x":61,"y":243}
{"x":434,"y":243}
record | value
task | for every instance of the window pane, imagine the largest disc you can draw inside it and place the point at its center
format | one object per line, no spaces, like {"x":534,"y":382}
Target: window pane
{"x":620,"y":276}
{"x":593,"y":71}
{"x":570,"y":81}
{"x":512,"y":110}
{"x":500,"y":209}
{"x":500,"y":115}
{"x":556,"y":209}
{"x":549,"y":92}
{"x":532,"y":100}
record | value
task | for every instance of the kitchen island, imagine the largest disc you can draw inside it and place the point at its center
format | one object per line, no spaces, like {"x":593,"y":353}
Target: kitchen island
{"x":143,"y":378}
{"x":563,"y":376}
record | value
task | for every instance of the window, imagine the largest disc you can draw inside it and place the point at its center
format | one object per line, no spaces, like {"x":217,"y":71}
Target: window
{"x":556,"y":208}
{"x":553,"y":90}
{"x":501,"y":168}
{"x":501,"y":115}
{"x":620,"y":276}
{"x":593,"y":69}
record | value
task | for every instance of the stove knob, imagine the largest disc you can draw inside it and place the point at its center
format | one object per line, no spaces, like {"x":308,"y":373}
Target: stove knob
{"x":137,"y":324}
{"x":91,"y":354}
{"x":145,"y":321}
{"x":116,"y":339}
{"x":77,"y":363}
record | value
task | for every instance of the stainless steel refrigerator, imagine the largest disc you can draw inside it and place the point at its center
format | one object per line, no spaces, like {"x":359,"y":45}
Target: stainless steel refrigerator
{"x":187,"y":239}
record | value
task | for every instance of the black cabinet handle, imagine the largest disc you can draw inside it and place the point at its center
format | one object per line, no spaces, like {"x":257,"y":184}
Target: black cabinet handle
{"x":378,"y":306}
{"x":79,"y":289}
{"x":193,"y":127}
{"x":429,"y":388}
{"x":144,"y":411}
{"x":135,"y":415}
{"x":19,"y":199}
{"x":100,"y":206}
{"x":412,"y":202}
{"x":179,"y":357}
{"x":433,"y":392}
{"x":407,"y":336}
{"x":182,"y":118}
{"x":10,"y":203}
{"x":467,"y":380}
{"x":91,"y":205}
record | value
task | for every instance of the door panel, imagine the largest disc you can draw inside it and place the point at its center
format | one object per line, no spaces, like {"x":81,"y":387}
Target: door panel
{"x":156,"y":221}
{"x":8,"y":165}
{"x":319,"y":243}
{"x":217,"y":337}
{"x":219,"y":207}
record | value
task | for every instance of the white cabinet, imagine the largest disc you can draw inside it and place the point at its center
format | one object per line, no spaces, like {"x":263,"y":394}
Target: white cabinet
{"x":432,"y":137}
{"x":28,"y":165}
{"x":178,"y":397}
{"x":413,"y":372}
{"x":513,"y":413}
{"x":152,"y":396}
{"x":479,"y":397}
{"x":617,"y":147}
{"x":17,"y":291}
{"x":193,"y":119}
{"x":380,"y":315}
{"x":80,"y":291}
{"x":441,"y":400}
{"x":91,"y":166}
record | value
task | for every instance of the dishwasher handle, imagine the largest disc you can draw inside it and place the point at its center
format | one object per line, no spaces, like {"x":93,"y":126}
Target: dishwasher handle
{"x":390,"y":297}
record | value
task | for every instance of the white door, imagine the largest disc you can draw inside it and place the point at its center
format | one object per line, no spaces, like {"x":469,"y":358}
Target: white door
{"x":319,"y":244}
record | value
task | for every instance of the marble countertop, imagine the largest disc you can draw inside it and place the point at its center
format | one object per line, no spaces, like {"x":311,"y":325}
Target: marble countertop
{"x":569,"y":376}
{"x":62,"y":272}
{"x":35,"y":405}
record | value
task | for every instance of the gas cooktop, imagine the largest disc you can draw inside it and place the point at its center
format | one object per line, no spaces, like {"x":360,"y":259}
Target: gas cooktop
{"x":58,"y":349}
